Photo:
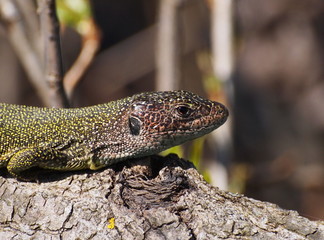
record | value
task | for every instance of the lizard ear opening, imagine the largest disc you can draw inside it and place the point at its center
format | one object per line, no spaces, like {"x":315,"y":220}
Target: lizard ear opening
{"x":134,"y":125}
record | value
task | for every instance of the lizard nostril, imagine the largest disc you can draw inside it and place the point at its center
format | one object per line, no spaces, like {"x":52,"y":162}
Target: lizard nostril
{"x":222,"y":110}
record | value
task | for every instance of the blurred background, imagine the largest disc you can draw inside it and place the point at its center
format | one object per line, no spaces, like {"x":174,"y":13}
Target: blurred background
{"x":262,"y":59}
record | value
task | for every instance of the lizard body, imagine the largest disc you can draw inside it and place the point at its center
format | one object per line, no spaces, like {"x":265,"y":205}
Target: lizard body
{"x":97,"y":136}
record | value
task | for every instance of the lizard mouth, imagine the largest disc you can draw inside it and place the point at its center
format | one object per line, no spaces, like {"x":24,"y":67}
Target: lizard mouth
{"x":216,"y":117}
{"x":193,"y":128}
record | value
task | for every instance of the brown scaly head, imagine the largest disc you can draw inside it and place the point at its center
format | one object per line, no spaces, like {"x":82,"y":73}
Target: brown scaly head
{"x":148,"y":123}
{"x":173,"y":117}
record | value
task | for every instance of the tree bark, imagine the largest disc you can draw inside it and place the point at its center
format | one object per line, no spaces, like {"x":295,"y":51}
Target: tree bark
{"x":152,"y":198}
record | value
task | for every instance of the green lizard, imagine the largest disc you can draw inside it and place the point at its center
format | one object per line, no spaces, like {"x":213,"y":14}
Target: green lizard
{"x":98,"y":136}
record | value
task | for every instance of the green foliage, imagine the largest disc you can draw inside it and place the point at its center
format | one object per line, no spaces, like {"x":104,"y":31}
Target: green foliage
{"x":196,"y":156}
{"x":74,"y":13}
{"x":196,"y":152}
{"x":176,"y":149}
{"x":213,"y":84}
{"x":239,"y":177}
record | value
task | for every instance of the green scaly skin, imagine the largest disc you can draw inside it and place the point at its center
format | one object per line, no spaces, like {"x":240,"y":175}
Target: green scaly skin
{"x":98,"y":136}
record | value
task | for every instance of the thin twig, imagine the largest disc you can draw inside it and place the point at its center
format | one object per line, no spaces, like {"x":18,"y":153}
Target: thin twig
{"x":167,"y":46}
{"x":11,"y":17}
{"x":27,"y":9}
{"x":222,"y":38}
{"x":222,"y":50}
{"x":53,"y":60}
{"x":90,"y":45}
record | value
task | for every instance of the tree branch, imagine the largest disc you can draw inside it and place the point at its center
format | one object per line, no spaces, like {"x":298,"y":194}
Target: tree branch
{"x":155,"y":198}
{"x":90,"y":45}
{"x":53,"y":59}
{"x":168,"y":52}
{"x":12,"y":19}
{"x":27,"y":9}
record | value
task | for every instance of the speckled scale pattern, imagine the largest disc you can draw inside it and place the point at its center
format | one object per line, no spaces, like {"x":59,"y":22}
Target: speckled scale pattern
{"x":98,"y":136}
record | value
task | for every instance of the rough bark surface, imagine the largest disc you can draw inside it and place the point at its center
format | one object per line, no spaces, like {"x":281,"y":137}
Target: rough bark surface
{"x":155,"y":198}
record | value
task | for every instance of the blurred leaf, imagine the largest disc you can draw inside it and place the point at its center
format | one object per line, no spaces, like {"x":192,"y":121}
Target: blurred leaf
{"x":239,"y":176}
{"x":196,"y":156}
{"x":196,"y":152}
{"x":75,"y":13}
{"x":176,"y":149}
{"x":212,"y":84}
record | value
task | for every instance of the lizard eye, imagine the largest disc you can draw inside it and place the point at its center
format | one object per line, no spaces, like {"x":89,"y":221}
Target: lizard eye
{"x":184,"y":111}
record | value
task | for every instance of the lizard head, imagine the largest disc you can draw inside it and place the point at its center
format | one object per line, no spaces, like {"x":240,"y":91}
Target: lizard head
{"x":170,"y":118}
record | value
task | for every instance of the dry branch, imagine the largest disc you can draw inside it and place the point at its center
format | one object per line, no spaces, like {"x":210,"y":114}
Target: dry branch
{"x":167,"y":57}
{"x":157,"y":198}
{"x":13,"y":22}
{"x":90,"y":45}
{"x":53,"y":60}
{"x":21,"y":24}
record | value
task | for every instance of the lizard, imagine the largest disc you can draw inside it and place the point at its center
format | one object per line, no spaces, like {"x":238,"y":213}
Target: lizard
{"x":98,"y":136}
